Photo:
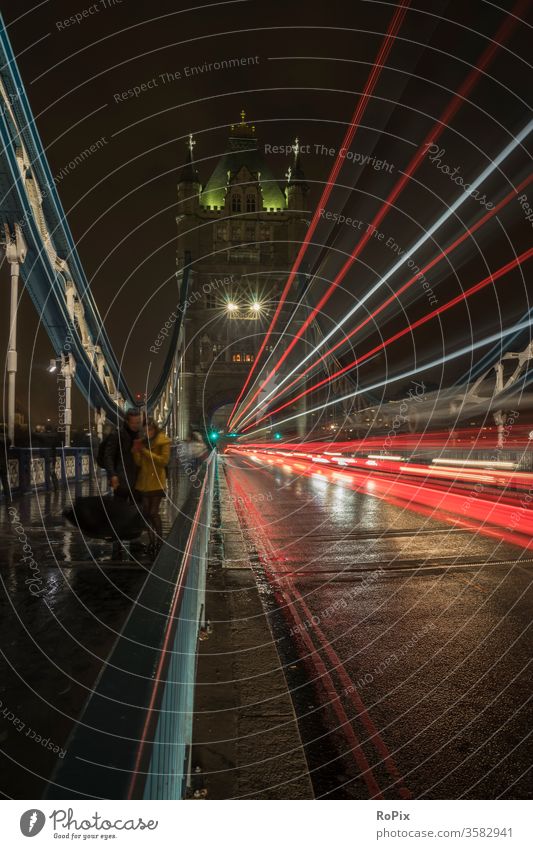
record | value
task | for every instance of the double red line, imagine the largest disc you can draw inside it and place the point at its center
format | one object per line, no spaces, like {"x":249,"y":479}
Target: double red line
{"x":440,"y":125}
{"x":377,"y":67}
{"x":491,"y":278}
{"x":147,"y":738}
{"x":299,"y":612}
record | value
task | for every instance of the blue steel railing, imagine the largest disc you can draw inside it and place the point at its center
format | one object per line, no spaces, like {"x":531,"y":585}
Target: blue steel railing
{"x":31,"y":469}
{"x":42,"y":279}
{"x":133,"y":738}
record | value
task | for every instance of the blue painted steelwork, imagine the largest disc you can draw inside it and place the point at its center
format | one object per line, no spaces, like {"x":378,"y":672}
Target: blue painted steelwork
{"x":134,"y":735}
{"x":517,"y":341}
{"x":169,"y":363}
{"x":53,"y":262}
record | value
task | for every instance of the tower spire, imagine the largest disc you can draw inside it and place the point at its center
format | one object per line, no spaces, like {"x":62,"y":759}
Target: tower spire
{"x":244,"y":129}
{"x":295,"y":175}
{"x":189,"y":174}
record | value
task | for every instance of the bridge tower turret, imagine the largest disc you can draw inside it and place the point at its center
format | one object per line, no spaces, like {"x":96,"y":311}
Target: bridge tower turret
{"x":297,"y":187}
{"x":189,"y":186}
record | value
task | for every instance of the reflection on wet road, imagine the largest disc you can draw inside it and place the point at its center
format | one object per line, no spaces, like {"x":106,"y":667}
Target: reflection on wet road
{"x":412,"y":634}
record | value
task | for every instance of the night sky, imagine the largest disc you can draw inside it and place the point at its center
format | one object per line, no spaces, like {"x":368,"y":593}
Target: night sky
{"x":308,"y":63}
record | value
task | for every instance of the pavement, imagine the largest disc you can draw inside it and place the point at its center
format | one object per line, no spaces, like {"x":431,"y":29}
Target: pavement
{"x":246,"y":742}
{"x":62,"y":608}
{"x":404,"y":639}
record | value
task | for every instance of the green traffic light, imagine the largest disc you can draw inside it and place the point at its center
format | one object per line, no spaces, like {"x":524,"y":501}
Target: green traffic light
{"x":277,"y":436}
{"x":213,"y":436}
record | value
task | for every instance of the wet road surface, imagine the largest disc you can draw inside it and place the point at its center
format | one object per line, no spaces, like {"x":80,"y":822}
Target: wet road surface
{"x":61,"y":610}
{"x":404,"y":639}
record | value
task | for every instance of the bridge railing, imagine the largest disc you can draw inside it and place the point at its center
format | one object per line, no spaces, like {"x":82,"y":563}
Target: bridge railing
{"x":33,"y":468}
{"x":133,"y":738}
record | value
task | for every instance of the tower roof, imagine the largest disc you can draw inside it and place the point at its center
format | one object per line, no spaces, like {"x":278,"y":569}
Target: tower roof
{"x":243,"y":151}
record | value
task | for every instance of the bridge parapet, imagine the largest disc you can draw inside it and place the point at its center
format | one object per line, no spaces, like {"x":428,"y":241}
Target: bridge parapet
{"x":134,"y":736}
{"x":32,"y":469}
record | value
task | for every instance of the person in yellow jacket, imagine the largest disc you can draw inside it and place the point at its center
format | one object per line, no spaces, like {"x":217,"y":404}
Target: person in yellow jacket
{"x":152,"y":456}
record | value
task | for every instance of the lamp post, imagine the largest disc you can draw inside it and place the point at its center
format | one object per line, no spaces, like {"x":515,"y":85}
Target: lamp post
{"x":66,"y":371}
{"x":16,"y":251}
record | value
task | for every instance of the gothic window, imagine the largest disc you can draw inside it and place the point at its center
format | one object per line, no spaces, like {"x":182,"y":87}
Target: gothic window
{"x":250,"y":203}
{"x":210,"y":301}
{"x":235,"y":203}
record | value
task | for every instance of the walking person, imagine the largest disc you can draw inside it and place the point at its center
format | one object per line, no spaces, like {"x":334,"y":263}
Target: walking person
{"x":152,"y":456}
{"x":120,"y":465}
{"x":51,"y":442}
{"x":198,"y":449}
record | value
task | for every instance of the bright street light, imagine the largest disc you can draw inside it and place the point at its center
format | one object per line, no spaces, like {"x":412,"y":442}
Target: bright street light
{"x":231,"y":307}
{"x":256,"y":306}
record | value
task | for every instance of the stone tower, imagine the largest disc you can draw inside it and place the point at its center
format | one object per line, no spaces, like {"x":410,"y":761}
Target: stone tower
{"x":243,"y":229}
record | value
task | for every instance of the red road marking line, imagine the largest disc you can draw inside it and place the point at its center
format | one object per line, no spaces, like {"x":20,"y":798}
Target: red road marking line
{"x":163,"y":654}
{"x":350,"y":691}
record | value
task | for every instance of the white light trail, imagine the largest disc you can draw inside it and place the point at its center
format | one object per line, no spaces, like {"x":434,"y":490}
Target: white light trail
{"x":516,"y":328}
{"x":487,"y":464}
{"x":423,"y":239}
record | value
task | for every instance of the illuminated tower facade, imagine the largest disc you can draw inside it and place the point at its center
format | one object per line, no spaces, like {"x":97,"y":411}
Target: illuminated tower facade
{"x":243,"y":229}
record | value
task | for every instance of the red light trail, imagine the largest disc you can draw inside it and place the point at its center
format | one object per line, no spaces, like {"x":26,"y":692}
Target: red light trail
{"x":494,"y":513}
{"x":431,"y":264}
{"x":440,"y":125}
{"x":491,"y":278}
{"x":375,"y":73}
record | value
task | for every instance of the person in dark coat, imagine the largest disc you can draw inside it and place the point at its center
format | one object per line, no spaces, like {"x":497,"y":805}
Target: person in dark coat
{"x":5,"y":445}
{"x":51,"y":442}
{"x":118,"y":458}
{"x":119,"y":463}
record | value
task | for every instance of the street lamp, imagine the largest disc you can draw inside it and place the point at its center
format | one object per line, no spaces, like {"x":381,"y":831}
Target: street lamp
{"x":256,"y":306}
{"x":67,"y":369}
{"x":231,"y":307}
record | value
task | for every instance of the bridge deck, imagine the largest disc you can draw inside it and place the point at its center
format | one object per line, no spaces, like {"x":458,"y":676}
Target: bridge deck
{"x":402,"y":638}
